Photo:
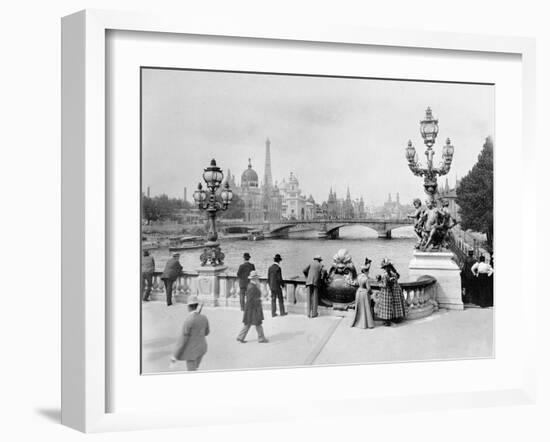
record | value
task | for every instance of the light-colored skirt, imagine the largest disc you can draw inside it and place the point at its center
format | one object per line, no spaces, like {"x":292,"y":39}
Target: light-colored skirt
{"x":363,"y":317}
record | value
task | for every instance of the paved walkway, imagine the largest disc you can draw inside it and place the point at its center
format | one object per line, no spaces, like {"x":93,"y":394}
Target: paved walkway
{"x":297,"y":341}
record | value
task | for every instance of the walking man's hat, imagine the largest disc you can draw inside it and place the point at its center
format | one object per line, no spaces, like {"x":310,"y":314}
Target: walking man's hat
{"x":246,"y":255}
{"x":277,"y":258}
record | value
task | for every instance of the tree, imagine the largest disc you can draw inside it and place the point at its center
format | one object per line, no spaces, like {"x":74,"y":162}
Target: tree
{"x":475,"y":195}
{"x":149,"y":208}
{"x":162,"y":208}
{"x":235,"y":209}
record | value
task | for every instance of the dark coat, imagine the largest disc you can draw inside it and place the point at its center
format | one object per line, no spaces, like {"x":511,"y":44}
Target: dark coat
{"x":172,"y":269}
{"x":192,"y":342}
{"x":313,"y":274}
{"x":253,"y":313}
{"x":244,"y":271}
{"x":275,"y":278}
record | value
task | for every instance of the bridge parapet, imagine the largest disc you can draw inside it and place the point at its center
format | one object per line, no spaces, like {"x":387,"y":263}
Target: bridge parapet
{"x":420,"y":296}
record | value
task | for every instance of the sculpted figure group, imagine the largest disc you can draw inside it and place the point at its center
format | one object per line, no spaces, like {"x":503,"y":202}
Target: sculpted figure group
{"x":432,"y":224}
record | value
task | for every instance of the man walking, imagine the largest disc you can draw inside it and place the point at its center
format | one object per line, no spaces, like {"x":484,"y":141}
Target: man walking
{"x":313,"y":274}
{"x":253,"y":313}
{"x":275,"y":281}
{"x":147,"y":270}
{"x":171,"y":272}
{"x":242,"y":274}
{"x":192,"y":344}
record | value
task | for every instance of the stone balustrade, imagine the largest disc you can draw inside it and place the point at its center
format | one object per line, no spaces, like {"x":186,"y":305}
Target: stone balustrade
{"x":420,"y":296}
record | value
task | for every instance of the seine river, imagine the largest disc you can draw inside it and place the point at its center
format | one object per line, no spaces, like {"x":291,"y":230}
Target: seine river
{"x":298,"y":250}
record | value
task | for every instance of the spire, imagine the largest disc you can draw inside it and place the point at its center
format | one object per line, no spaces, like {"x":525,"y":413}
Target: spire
{"x":389,"y":197}
{"x":268,"y":180}
{"x":348,"y":197}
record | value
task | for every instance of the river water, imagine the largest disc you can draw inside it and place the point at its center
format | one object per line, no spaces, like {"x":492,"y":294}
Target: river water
{"x":298,"y":250}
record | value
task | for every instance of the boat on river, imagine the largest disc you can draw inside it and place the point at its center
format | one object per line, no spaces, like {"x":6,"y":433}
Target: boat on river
{"x":256,"y":235}
{"x":181,"y":243}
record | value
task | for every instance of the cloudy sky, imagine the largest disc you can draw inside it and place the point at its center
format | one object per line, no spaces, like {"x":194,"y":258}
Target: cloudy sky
{"x":327,"y":131}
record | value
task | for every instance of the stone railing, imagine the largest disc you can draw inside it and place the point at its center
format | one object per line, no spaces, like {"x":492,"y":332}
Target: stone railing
{"x":187,"y":284}
{"x":420,"y":296}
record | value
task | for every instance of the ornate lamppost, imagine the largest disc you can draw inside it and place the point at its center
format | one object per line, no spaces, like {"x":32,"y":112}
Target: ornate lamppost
{"x":208,"y":201}
{"x":429,"y":129}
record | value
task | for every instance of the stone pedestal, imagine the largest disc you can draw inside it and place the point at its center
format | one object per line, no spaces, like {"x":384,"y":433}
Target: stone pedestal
{"x":441,"y":266}
{"x":208,"y":284}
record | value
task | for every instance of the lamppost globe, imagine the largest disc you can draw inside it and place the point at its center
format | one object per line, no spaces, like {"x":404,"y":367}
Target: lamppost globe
{"x":410,"y":152}
{"x":429,"y":128}
{"x":213,"y":175}
{"x":199,"y":195}
{"x":448,"y":151}
{"x":226,"y":194}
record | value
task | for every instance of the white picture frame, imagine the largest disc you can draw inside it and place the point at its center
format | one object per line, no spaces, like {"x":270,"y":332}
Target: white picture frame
{"x":85,"y":202}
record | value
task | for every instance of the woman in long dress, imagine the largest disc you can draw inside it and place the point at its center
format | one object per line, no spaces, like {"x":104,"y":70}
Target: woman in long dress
{"x":363,"y":317}
{"x":391,"y":305}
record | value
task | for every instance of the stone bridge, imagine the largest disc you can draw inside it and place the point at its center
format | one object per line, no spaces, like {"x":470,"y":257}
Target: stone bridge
{"x":327,"y":228}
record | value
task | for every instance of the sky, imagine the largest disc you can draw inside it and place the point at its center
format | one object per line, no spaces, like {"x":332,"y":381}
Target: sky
{"x":328,"y":131}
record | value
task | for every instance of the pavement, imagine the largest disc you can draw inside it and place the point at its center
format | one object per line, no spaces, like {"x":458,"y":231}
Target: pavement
{"x":295,"y":340}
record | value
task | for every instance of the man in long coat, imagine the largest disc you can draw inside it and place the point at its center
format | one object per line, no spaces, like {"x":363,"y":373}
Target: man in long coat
{"x":253,"y":313}
{"x":192,"y":344}
{"x":242,"y":274}
{"x":275,"y":280}
{"x":313,"y":273}
{"x":171,"y":272}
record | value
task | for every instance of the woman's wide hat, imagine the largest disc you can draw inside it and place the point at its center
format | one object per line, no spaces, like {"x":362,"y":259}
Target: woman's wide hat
{"x":385,"y":263}
{"x":253,"y":275}
{"x":192,"y":300}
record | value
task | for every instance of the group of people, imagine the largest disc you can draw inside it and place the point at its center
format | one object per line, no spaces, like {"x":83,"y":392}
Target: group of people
{"x":390,"y":305}
{"x":192,"y":346}
{"x":477,"y":280}
{"x":172,"y":270}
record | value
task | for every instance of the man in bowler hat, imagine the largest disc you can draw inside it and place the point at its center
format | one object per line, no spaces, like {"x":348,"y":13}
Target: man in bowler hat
{"x":192,"y":345}
{"x":171,"y":272}
{"x":242,"y":274}
{"x":275,"y":280}
{"x":313,"y":273}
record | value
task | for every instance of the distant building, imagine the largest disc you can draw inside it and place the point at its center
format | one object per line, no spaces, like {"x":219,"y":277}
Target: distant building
{"x":445,"y":192}
{"x":295,"y":205}
{"x":262,"y":202}
{"x":251,"y":194}
{"x":394,"y":209}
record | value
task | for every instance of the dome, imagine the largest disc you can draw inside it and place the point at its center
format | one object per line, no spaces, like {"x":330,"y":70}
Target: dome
{"x":293,"y":179}
{"x":249,"y":177}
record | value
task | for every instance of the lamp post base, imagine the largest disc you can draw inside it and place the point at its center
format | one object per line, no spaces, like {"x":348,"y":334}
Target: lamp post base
{"x":208,"y":284}
{"x":441,"y":266}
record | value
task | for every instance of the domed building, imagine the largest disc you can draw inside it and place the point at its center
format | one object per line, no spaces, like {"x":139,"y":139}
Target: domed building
{"x":251,"y":195}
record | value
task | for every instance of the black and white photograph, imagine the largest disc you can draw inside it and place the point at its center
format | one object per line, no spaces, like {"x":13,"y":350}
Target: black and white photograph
{"x":307,"y":220}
